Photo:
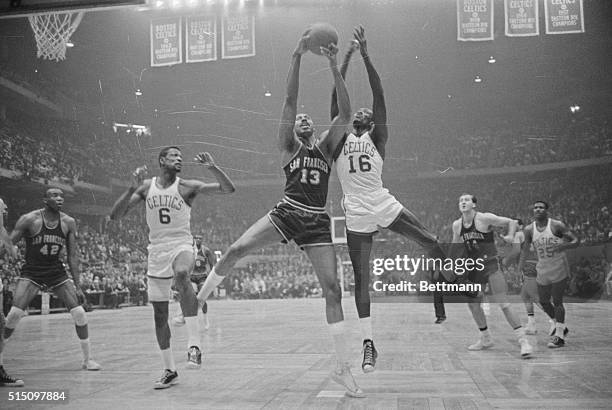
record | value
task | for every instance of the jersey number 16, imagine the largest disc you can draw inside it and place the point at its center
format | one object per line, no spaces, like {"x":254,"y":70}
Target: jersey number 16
{"x":364,"y":164}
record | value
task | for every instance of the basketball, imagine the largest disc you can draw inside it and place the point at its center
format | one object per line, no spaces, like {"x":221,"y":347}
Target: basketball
{"x":321,"y":35}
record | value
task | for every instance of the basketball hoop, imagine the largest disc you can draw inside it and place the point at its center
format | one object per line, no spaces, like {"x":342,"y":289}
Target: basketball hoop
{"x":52,"y":31}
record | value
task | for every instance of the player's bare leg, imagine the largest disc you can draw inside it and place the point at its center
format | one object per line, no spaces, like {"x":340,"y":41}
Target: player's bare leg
{"x":182,"y":266}
{"x":498,"y":286}
{"x":360,"y":249}
{"x":262,"y":233}
{"x":67,"y":293}
{"x":323,"y":259}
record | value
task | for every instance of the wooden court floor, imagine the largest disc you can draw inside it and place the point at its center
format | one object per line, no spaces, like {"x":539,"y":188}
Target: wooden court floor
{"x":276,"y":354}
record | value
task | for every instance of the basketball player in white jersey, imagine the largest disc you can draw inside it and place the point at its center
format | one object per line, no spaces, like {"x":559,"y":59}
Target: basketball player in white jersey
{"x":367,"y":204}
{"x":529,"y":289}
{"x":474,"y":230}
{"x":301,"y":216}
{"x":7,"y":245}
{"x":168,"y":200}
{"x":550,"y":239}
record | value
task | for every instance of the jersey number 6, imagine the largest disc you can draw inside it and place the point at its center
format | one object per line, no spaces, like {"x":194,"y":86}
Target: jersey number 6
{"x":164,"y":216}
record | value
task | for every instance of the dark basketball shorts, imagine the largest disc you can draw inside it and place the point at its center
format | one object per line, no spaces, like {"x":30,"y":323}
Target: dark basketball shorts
{"x":482,"y":276}
{"x":198,"y":279}
{"x":305,"y":228}
{"x":46,"y":280}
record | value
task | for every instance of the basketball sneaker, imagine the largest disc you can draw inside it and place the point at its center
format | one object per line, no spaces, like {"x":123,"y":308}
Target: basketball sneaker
{"x":526,"y":348}
{"x":343,"y":376}
{"x":484,"y":342}
{"x":194,"y":358}
{"x":369,"y":356}
{"x":556,"y":342}
{"x":91,"y":365}
{"x":167,"y":379}
{"x":8,"y":381}
{"x":178,"y":320}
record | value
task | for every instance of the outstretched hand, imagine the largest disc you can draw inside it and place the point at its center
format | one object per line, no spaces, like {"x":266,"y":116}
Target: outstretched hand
{"x":138,"y":176}
{"x":205,"y":159}
{"x":359,"y":35}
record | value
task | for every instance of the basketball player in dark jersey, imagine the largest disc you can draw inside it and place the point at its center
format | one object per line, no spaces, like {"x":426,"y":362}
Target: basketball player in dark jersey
{"x":301,"y":215}
{"x":367,"y":205}
{"x":474,"y":230}
{"x":9,"y":248}
{"x":47,"y":232}
{"x":203,"y":265}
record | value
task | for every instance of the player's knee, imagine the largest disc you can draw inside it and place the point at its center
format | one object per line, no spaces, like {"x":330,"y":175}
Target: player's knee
{"x":14,"y":316}
{"x":181,"y":276}
{"x":79,"y":316}
{"x":333,"y":293}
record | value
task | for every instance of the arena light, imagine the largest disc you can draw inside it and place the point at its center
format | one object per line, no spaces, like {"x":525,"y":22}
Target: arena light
{"x":492,"y":60}
{"x":477,"y":79}
{"x":574,"y":108}
{"x":159,"y":4}
{"x":268,"y":93}
{"x":69,"y":44}
{"x":138,"y":92}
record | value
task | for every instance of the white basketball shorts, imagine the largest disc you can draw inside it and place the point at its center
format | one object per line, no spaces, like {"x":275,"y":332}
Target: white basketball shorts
{"x":365,"y":213}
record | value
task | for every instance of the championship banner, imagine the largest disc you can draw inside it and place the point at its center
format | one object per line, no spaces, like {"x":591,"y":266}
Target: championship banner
{"x":474,"y":20}
{"x":521,"y":18}
{"x":201,"y":39}
{"x":564,"y":16}
{"x":166,"y":42}
{"x":238,"y":36}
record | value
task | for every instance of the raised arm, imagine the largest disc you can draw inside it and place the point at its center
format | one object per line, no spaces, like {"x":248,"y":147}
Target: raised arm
{"x":224,"y":184}
{"x":379,"y":108}
{"x":287,"y":141}
{"x":331,"y":138}
{"x":135,"y":193}
{"x":333,"y":112}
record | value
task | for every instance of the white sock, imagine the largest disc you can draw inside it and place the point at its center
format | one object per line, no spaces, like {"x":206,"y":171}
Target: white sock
{"x":519,"y":332}
{"x":531,"y":320}
{"x":366,"y":327}
{"x":168,"y":359}
{"x":210,"y":284}
{"x":560,"y":329}
{"x":193,"y":331}
{"x":338,"y":333}
{"x":485,"y":334}
{"x":85,"y":347}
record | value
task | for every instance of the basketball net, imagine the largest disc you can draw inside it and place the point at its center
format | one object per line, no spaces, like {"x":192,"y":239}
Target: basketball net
{"x":52,"y":31}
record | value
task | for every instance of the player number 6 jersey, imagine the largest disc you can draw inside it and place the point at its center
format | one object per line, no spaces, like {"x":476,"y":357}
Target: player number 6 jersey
{"x":168,"y":215}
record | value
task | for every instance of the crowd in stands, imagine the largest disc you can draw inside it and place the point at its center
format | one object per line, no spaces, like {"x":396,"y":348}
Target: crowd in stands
{"x":510,"y":145}
{"x":62,"y":151}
